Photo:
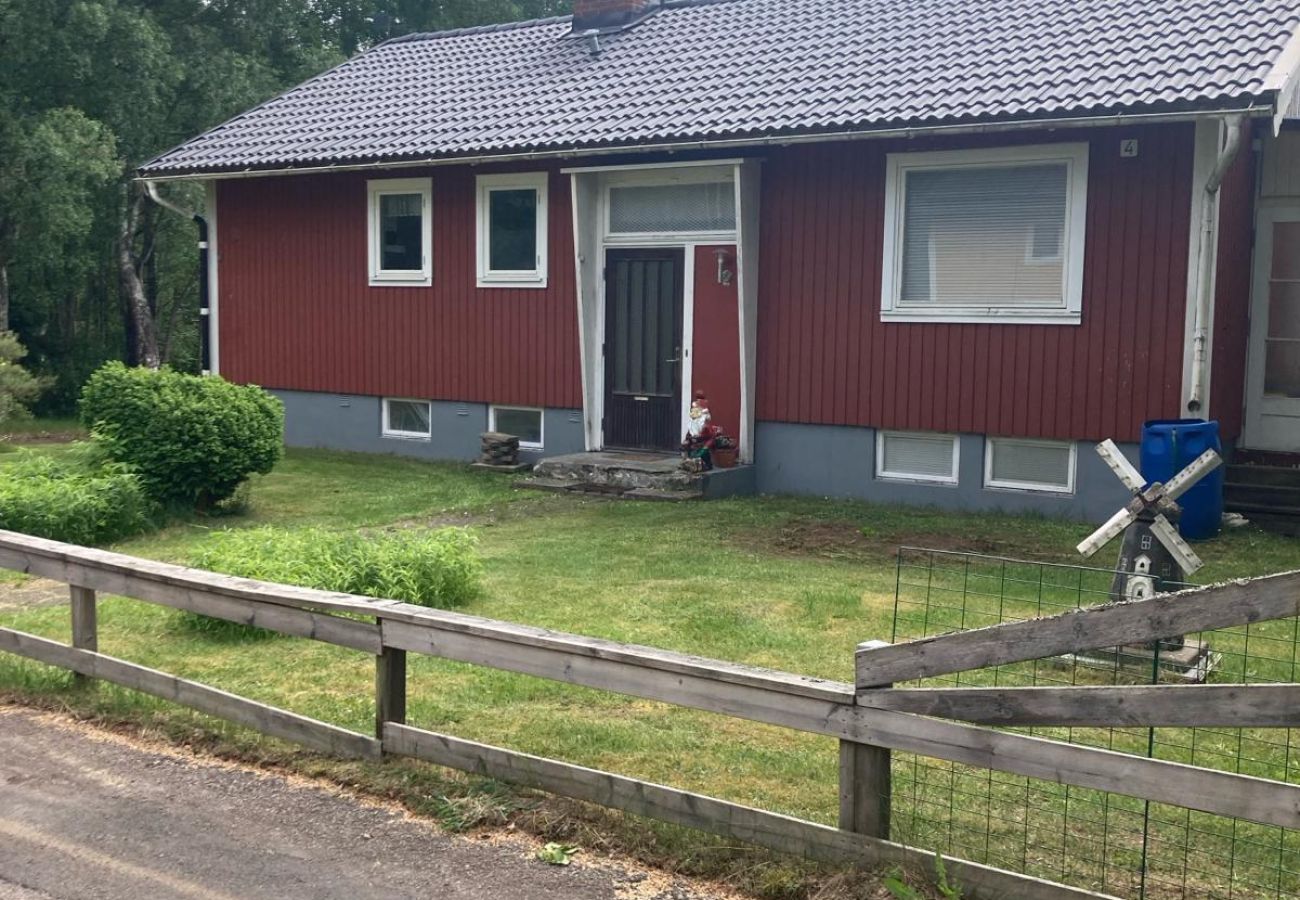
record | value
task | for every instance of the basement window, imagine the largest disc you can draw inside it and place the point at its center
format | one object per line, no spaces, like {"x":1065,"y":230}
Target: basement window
{"x":986,"y":235}
{"x":409,"y":419}
{"x":915,"y":456}
{"x":1028,"y":464}
{"x":400,"y":227}
{"x":512,"y":230}
{"x":522,"y":422}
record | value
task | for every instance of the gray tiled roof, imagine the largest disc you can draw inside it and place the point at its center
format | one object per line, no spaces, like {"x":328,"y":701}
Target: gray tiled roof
{"x":729,"y":68}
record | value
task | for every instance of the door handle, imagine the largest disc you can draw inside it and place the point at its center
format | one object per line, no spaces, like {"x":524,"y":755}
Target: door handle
{"x":677,"y":356}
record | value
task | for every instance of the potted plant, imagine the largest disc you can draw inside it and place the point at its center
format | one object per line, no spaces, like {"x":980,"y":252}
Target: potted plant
{"x":724,"y":451}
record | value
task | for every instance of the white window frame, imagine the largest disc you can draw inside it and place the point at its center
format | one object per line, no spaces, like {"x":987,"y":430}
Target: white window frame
{"x":526,"y":278}
{"x":541,"y":418}
{"x":1069,"y":312}
{"x":1032,"y":487}
{"x":388,"y":431}
{"x":377,"y":188}
{"x":885,"y":475}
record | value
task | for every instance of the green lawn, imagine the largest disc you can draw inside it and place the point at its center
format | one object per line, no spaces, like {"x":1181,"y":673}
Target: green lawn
{"x":788,"y":583}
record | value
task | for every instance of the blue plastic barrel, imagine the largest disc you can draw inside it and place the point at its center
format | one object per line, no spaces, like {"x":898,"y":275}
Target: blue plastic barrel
{"x":1168,"y":445}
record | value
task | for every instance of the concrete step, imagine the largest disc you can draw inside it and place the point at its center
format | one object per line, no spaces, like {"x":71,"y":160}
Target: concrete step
{"x":1281,"y":476}
{"x":1283,"y":499}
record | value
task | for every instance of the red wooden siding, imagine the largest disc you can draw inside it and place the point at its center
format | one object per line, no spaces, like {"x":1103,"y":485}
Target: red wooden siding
{"x":825,"y":357}
{"x":1232,"y":287}
{"x":715,"y":363}
{"x":296,"y":311}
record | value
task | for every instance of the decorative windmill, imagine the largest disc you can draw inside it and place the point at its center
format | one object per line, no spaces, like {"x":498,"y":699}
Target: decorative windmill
{"x":1153,"y":552}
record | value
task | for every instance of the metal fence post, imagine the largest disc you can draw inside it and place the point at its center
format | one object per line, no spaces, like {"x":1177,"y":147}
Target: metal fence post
{"x":390,"y":689}
{"x":865,"y":782}
{"x":85,"y":623}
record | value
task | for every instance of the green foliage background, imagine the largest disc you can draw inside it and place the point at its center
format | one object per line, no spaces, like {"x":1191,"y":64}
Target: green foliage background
{"x":89,"y":90}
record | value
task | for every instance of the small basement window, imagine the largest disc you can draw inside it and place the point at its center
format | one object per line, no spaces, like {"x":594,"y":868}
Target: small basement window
{"x":400,"y":231}
{"x":913,"y":456}
{"x":523,"y":423}
{"x":1027,"y":464}
{"x":410,"y":419}
{"x":512,"y":230}
{"x":986,"y":235}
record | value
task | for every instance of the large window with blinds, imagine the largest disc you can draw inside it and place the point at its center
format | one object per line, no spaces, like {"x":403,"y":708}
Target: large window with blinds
{"x":986,"y":235}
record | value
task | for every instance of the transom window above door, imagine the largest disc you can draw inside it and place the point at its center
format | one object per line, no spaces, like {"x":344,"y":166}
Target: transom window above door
{"x":653,"y":205}
{"x":986,"y":235}
{"x":512,"y":230}
{"x":399,"y":213}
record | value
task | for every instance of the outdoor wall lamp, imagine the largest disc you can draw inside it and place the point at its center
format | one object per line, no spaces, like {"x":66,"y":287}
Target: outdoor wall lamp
{"x":725,"y":274}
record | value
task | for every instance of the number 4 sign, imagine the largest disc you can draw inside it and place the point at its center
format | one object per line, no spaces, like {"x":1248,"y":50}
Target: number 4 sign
{"x":1128,"y":148}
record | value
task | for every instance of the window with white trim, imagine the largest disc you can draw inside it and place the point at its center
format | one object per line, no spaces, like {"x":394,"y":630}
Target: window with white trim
{"x":512,"y":230}
{"x":916,"y":456}
{"x":409,"y":419}
{"x":523,"y":422}
{"x":400,"y":231}
{"x":986,"y":235}
{"x":1029,"y":464}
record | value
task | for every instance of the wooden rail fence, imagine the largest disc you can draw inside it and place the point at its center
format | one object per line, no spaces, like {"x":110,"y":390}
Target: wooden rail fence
{"x":870,"y":719}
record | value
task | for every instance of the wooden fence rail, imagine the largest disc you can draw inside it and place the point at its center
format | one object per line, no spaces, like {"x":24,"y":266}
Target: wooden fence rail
{"x":869,"y":719}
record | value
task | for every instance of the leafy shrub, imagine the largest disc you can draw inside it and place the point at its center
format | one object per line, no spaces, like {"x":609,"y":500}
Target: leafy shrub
{"x":432,"y":568}
{"x":79,"y":498}
{"x":193,"y":440}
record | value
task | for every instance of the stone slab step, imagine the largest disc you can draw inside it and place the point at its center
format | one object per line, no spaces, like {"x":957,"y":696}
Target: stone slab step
{"x":548,"y":484}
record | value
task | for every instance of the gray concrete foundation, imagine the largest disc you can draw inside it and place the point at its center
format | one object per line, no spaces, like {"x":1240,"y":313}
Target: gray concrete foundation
{"x":836,"y":461}
{"x":352,"y":422}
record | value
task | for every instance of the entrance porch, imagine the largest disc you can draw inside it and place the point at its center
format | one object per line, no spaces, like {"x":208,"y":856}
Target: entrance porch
{"x":639,"y":475}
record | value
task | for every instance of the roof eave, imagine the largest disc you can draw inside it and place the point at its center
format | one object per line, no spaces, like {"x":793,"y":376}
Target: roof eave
{"x":1264,"y":105}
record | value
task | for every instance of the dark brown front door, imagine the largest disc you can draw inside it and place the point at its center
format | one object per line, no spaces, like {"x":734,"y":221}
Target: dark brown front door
{"x":643,"y":348}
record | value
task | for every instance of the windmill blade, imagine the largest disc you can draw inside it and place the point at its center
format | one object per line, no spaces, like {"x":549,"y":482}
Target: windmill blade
{"x":1114,"y":527}
{"x":1197,"y":469}
{"x":1119,"y":464}
{"x":1181,"y":551}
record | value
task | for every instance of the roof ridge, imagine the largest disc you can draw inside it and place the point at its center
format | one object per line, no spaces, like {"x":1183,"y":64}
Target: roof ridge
{"x":522,"y":23}
{"x":473,"y":29}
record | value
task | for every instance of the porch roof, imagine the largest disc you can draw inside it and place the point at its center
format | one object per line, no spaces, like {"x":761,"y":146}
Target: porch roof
{"x":708,"y":70}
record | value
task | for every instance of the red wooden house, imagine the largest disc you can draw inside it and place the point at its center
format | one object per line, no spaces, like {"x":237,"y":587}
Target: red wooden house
{"x":925,"y":252}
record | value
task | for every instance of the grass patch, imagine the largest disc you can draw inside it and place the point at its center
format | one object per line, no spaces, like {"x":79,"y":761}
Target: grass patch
{"x":789,"y":583}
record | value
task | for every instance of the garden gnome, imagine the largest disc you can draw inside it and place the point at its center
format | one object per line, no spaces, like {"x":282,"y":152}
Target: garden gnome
{"x":700,"y":432}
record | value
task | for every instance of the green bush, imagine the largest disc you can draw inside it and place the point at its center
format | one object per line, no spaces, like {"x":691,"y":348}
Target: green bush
{"x":18,"y":387}
{"x":193,"y":440}
{"x":78,"y":498}
{"x":437,"y":568}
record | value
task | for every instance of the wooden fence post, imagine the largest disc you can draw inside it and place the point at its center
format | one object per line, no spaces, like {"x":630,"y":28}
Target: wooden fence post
{"x":390,"y":689}
{"x":865,"y":782}
{"x":85,"y":622}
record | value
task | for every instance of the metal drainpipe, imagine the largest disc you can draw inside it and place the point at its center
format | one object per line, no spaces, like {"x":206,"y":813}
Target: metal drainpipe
{"x":1205,"y":264}
{"x":205,"y":338}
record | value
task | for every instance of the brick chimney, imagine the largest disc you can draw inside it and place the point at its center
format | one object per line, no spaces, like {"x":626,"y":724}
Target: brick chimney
{"x":610,"y":15}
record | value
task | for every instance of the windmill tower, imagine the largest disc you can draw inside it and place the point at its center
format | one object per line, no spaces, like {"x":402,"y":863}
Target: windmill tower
{"x":1153,"y":556}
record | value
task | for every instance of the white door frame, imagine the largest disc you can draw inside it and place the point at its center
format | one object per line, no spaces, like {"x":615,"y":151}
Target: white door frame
{"x":1266,"y":425}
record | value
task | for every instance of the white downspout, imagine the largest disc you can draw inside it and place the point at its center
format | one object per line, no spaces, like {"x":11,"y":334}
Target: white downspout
{"x":1205,"y":261}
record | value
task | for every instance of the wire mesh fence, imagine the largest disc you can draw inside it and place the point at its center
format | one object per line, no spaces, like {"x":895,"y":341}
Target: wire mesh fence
{"x":1101,"y":841}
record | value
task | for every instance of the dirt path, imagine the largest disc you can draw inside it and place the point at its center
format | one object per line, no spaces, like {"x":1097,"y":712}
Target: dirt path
{"x":87,"y":814}
{"x":32,"y":593}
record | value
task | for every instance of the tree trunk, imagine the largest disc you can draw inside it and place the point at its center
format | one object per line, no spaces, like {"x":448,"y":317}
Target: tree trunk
{"x":142,"y":334}
{"x":4,"y":296}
